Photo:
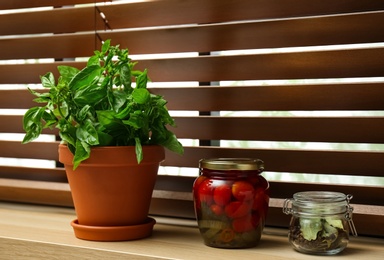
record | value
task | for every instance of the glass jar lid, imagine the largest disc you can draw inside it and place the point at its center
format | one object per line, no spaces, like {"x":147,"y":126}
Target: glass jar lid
{"x":243,"y":164}
{"x":319,"y":203}
{"x":319,"y":197}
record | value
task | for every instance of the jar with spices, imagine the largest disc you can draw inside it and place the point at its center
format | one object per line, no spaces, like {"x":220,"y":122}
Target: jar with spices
{"x":320,"y":223}
{"x":231,"y":201}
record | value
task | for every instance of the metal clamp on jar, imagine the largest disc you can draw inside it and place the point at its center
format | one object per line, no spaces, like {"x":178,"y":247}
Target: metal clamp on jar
{"x":320,"y":223}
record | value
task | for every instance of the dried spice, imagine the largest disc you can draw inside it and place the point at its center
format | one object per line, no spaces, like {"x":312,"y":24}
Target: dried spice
{"x":319,"y":234}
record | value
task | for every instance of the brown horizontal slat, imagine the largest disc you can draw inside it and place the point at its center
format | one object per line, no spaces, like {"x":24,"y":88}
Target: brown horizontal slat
{"x":369,"y":224}
{"x":38,"y":192}
{"x":52,"y":46}
{"x":355,"y":163}
{"x":76,"y":19}
{"x":301,"y":129}
{"x":361,"y":194}
{"x":248,"y":35}
{"x":17,"y":99}
{"x":366,"y":96}
{"x":30,"y":173}
{"x":175,"y":12}
{"x":15,"y":125}
{"x":34,"y":150}
{"x":170,"y":12}
{"x":298,"y":65}
{"x":15,"y":4}
{"x":30,"y":73}
{"x":359,"y":96}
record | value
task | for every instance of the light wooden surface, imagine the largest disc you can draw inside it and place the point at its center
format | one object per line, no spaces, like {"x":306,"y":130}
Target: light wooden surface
{"x":37,"y":232}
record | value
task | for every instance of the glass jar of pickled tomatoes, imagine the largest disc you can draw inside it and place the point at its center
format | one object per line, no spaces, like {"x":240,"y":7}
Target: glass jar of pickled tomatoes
{"x":231,"y":201}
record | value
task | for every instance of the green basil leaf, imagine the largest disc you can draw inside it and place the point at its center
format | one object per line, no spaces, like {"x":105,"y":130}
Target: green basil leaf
{"x":48,"y":80}
{"x":32,"y":123}
{"x":108,"y":59}
{"x":42,"y":100}
{"x":83,"y":113}
{"x":161,"y":135}
{"x":105,"y":117}
{"x":67,"y":132}
{"x":108,"y":121}
{"x":120,"y":99}
{"x":86,"y":132}
{"x":142,"y":79}
{"x":135,"y":120}
{"x":124,"y":113}
{"x":82,"y":152}
{"x":87,"y":76}
{"x":140,"y":95}
{"x":41,"y":97}
{"x":105,"y":139}
{"x":49,"y":118}
{"x":125,"y":75}
{"x":67,"y":73}
{"x":159,"y":100}
{"x":106,"y":46}
{"x":62,"y":109}
{"x":93,"y":60}
{"x":91,"y":95}
{"x":67,"y":138}
{"x":173,"y":144}
{"x":138,"y":150}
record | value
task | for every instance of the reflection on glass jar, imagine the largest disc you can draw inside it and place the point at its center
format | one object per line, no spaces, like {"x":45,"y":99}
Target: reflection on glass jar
{"x":231,"y":202}
{"x":320,"y":223}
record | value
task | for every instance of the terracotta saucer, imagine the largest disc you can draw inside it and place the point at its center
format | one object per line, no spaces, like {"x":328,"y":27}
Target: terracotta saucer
{"x":113,"y":233}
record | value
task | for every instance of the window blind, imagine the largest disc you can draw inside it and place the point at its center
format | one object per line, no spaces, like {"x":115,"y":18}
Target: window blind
{"x":297,"y":85}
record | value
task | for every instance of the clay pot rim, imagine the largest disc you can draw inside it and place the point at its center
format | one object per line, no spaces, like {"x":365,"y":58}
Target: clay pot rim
{"x":112,"y":155}
{"x":121,"y":147}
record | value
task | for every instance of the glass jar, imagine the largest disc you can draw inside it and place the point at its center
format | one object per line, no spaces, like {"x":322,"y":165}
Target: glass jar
{"x":231,"y":202}
{"x":320,"y":223}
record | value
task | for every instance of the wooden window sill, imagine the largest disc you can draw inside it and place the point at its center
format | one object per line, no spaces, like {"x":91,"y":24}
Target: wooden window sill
{"x":40,"y":232}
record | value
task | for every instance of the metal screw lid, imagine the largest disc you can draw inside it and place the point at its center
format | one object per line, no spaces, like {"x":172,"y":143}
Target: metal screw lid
{"x":243,"y":164}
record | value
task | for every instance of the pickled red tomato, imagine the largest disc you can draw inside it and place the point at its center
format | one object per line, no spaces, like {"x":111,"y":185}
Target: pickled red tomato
{"x":222,"y":194}
{"x":260,"y":200}
{"x":243,"y":190}
{"x":237,"y":209}
{"x":197,"y":183}
{"x":217,"y":209}
{"x":196,"y":186}
{"x":205,"y":191}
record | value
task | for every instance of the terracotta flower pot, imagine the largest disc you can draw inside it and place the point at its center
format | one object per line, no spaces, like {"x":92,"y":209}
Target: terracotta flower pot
{"x":111,"y":188}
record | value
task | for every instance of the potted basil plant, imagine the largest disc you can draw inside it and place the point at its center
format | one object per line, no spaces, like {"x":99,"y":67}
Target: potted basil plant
{"x":113,"y":133}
